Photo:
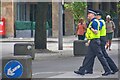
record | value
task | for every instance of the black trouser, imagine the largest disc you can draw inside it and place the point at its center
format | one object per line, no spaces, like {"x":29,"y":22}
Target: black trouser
{"x":94,"y":50}
{"x":111,"y":63}
{"x":81,"y":37}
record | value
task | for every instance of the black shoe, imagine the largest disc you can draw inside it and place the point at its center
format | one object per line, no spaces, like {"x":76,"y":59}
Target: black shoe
{"x":88,"y":72}
{"x":78,"y":72}
{"x":106,"y":73}
{"x":115,"y":71}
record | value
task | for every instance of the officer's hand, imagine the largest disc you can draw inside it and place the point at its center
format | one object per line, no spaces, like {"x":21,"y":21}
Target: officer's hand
{"x":95,"y":31}
{"x":86,"y":44}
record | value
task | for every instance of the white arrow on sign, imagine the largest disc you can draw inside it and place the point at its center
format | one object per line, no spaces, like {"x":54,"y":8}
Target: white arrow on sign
{"x":10,"y":71}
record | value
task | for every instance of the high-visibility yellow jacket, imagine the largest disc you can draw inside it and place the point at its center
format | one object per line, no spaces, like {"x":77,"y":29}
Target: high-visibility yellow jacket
{"x":103,"y":30}
{"x":90,"y":34}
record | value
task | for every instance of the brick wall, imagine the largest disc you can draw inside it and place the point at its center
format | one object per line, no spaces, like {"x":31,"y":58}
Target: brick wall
{"x":7,"y":12}
{"x":69,"y":23}
{"x":55,"y":17}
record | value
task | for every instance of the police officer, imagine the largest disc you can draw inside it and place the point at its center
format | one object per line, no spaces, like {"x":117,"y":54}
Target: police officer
{"x":103,"y":43}
{"x":93,"y":34}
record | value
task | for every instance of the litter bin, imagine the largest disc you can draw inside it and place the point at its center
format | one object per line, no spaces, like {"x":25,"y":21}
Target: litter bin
{"x":2,"y":28}
{"x":24,"y":49}
{"x":17,"y":67}
{"x":79,"y":48}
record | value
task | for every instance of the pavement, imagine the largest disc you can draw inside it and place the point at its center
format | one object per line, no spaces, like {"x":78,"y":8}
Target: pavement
{"x":52,"y":39}
{"x":59,"y":55}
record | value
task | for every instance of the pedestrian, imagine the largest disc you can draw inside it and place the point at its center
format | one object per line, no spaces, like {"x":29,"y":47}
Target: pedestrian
{"x":93,"y":34}
{"x":110,"y":26}
{"x":111,"y":63}
{"x":81,"y":28}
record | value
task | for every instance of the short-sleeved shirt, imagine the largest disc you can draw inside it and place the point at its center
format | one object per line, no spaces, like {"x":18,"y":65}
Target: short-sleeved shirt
{"x":109,"y":26}
{"x":81,"y":29}
{"x":94,"y":24}
{"x":101,"y":24}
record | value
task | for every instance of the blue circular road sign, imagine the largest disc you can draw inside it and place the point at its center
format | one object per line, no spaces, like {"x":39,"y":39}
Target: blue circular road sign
{"x":13,"y":69}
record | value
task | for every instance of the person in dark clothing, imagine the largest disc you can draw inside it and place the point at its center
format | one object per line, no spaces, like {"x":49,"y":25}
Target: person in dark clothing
{"x":103,"y":43}
{"x":93,"y":34}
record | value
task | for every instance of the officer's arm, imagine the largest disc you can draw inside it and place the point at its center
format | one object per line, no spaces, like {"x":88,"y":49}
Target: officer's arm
{"x":94,"y":27}
{"x":101,"y":24}
{"x":95,"y":31}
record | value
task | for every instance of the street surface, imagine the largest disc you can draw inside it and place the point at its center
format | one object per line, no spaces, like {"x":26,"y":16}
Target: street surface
{"x":61,"y":63}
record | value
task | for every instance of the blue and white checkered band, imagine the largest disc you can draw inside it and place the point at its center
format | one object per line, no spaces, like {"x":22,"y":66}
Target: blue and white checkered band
{"x":98,"y":13}
{"x":90,"y":11}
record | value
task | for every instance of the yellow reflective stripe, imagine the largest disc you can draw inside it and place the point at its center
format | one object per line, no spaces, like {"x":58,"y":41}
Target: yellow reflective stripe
{"x":90,"y":24}
{"x":103,"y":30}
{"x":90,"y":34}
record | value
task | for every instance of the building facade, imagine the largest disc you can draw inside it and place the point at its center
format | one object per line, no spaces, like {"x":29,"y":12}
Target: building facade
{"x":25,"y":11}
{"x":14,"y":12}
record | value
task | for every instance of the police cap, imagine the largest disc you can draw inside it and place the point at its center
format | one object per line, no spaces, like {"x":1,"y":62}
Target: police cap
{"x":99,"y":12}
{"x":92,"y":11}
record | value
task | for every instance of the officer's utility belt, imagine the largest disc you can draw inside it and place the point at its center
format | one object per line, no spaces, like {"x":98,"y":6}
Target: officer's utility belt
{"x":95,"y":39}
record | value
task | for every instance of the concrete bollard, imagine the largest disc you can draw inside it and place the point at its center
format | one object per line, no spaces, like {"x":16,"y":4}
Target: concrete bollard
{"x":79,"y":48}
{"x":16,"y":67}
{"x":24,"y":49}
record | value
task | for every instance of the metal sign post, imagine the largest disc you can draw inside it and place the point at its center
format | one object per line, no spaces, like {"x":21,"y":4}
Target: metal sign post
{"x":60,"y":21}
